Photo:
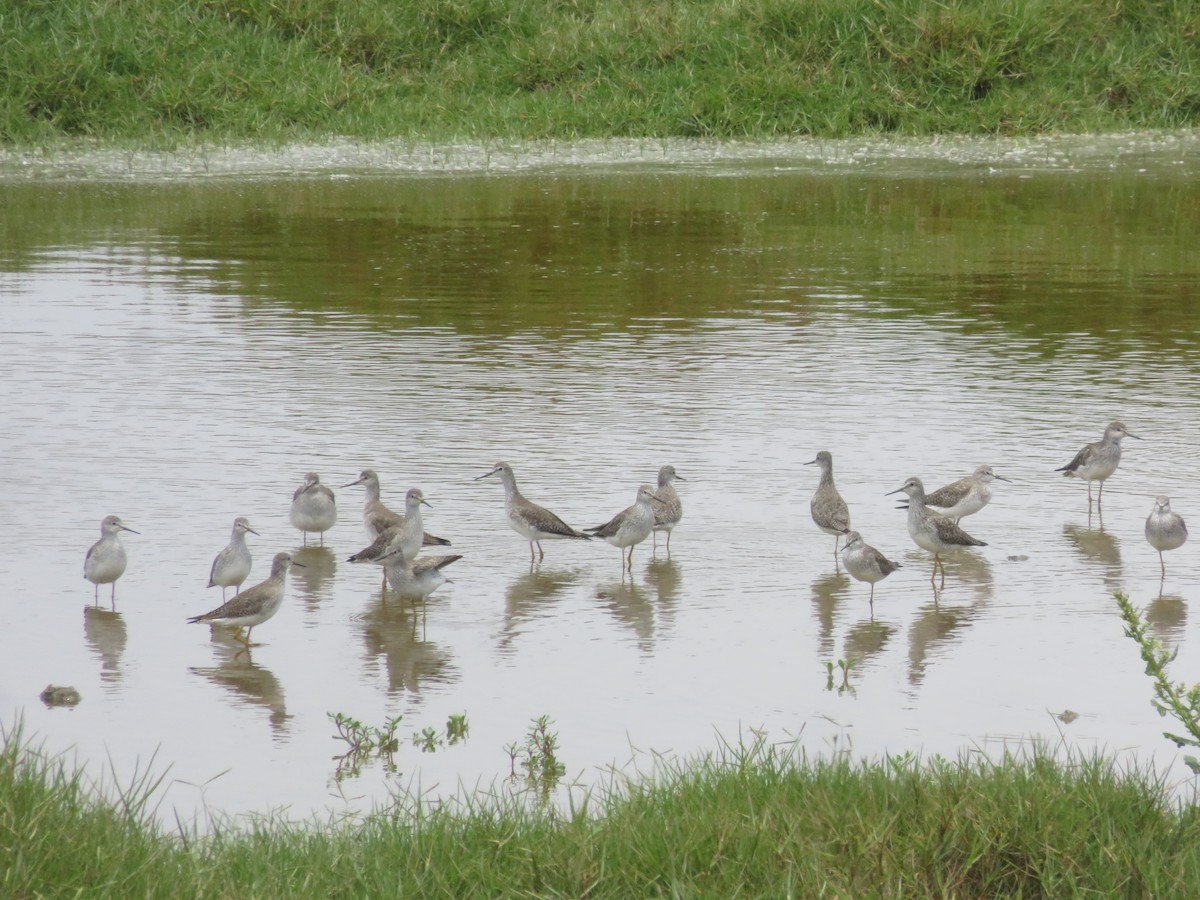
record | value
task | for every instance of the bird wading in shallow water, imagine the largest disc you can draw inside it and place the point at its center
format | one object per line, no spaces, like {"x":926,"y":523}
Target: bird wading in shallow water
{"x":1097,"y":461}
{"x":377,"y":517}
{"x":534,"y":523}
{"x":313,"y":508}
{"x":232,"y":565}
{"x":966,"y":496}
{"x":630,"y":526}
{"x":1165,"y":530}
{"x":932,"y":532}
{"x":828,"y":508}
{"x":416,"y":579}
{"x":254,"y":605}
{"x":105,"y":560}
{"x":865,"y":563}
{"x":669,"y":510}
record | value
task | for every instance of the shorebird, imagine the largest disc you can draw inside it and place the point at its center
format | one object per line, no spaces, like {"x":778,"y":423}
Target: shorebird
{"x":404,"y":538}
{"x":232,"y":564}
{"x":1165,"y":530}
{"x":669,"y":510}
{"x":630,"y":526}
{"x":105,"y":560}
{"x":865,"y":563}
{"x":377,"y":517}
{"x":828,"y":508}
{"x":313,"y":507}
{"x":416,"y":579}
{"x":254,"y":605}
{"x":534,"y":523}
{"x":1097,"y":461}
{"x":966,"y":496}
{"x":932,"y":532}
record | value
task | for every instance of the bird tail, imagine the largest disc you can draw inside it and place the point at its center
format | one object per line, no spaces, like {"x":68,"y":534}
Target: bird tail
{"x":430,"y":541}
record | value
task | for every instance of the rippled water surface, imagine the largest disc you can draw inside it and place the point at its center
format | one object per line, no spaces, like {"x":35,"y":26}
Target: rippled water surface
{"x":180,"y":346}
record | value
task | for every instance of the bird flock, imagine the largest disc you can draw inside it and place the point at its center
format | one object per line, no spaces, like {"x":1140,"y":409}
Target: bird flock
{"x":396,"y":541}
{"x":933,"y":519}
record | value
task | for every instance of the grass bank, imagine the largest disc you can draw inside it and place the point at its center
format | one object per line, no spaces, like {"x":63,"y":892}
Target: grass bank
{"x":743,"y":823}
{"x":157,"y":72}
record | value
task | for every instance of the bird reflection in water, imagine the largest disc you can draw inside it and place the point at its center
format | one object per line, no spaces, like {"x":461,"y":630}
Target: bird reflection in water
{"x":972,"y":571}
{"x":865,"y":639}
{"x":313,"y":583}
{"x":530,"y":596}
{"x":1098,"y":547}
{"x":663,"y":576}
{"x":935,"y":625}
{"x":249,"y":683}
{"x":104,"y":630}
{"x":390,"y":630}
{"x":828,"y":592}
{"x":1167,"y":617}
{"x":630,"y":606}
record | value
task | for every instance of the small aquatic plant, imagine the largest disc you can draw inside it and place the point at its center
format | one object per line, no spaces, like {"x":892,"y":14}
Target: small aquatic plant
{"x":1170,"y":698}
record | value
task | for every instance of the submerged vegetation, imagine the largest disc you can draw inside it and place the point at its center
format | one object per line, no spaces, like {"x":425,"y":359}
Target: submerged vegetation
{"x":748,"y":821}
{"x":152,"y":71}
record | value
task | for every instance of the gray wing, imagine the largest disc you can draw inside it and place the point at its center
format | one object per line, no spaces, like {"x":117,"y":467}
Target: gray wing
{"x":429,"y":563}
{"x":377,"y":547}
{"x":609,"y":528}
{"x":380,"y":518}
{"x":243,"y":604}
{"x":885,"y":565}
{"x":547,"y":521}
{"x":952,"y":534}
{"x":950,"y":494}
{"x":1081,"y":459}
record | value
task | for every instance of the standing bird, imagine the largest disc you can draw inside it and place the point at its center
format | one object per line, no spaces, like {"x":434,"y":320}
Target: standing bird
{"x":254,"y":605}
{"x":1165,"y":530}
{"x":105,"y":560}
{"x":630,"y":526}
{"x":313,"y":507}
{"x":377,"y":517}
{"x":828,"y":508}
{"x":416,"y":579}
{"x":932,"y":532}
{"x":669,"y":510}
{"x":232,"y":564}
{"x":865,"y":563}
{"x":403,"y":538}
{"x":534,"y":523}
{"x":1096,"y":462}
{"x":966,"y":496}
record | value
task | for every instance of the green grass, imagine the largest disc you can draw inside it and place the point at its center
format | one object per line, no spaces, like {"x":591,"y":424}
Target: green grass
{"x":744,"y":822}
{"x":159,"y":72}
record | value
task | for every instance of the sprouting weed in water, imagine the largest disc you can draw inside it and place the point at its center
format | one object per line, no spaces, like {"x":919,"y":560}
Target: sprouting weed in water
{"x":538,"y":757}
{"x":365,"y":742}
{"x":844,"y":665}
{"x":428,"y":739}
{"x":457,"y":728}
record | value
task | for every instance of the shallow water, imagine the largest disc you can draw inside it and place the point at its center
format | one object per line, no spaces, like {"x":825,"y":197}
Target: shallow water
{"x":180,"y":347}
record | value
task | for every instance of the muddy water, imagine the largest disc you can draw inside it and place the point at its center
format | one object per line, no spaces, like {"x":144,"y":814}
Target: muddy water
{"x":179,"y":348}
